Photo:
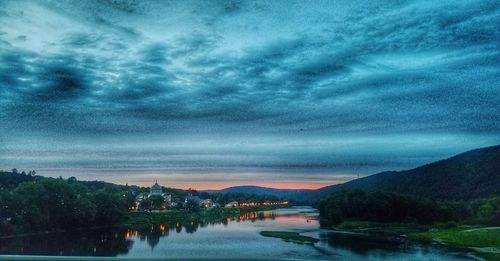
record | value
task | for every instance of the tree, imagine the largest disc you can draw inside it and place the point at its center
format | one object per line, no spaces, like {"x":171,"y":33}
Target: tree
{"x":380,"y":207}
{"x":31,"y":209}
{"x":192,"y":205}
{"x":111,"y":207}
{"x":157,"y":201}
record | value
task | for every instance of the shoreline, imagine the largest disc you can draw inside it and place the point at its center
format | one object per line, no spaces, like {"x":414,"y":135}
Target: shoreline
{"x":482,"y":241}
{"x":152,"y":219}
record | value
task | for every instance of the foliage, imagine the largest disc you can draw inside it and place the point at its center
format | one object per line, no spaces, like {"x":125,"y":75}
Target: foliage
{"x":35,"y":203}
{"x":153,"y":202}
{"x":389,"y":207}
{"x":468,"y":176}
{"x":486,"y":211}
{"x":38,"y":203}
{"x":9,"y":180}
{"x":379,"y":207}
{"x":224,"y":198}
{"x":464,"y":236}
{"x":203,"y":216}
{"x":111,"y":206}
{"x":481,"y":238}
{"x":290,"y":237}
{"x":192,"y":205}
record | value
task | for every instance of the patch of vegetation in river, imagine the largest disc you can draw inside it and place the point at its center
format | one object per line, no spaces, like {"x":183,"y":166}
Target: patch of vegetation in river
{"x":293,"y":237}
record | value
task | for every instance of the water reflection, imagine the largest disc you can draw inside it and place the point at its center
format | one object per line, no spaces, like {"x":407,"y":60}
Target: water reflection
{"x":113,"y":241}
{"x":98,"y":242}
{"x":152,"y":234}
{"x":364,"y":243}
{"x":227,"y":237}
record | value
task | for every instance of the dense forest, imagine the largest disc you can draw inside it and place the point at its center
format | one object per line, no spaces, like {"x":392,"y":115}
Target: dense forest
{"x":29,"y":202}
{"x":470,"y":175}
{"x":33,"y":203}
{"x":378,"y":206}
{"x":467,"y":176}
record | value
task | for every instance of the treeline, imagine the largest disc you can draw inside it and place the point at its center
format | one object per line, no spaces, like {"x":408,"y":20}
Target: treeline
{"x":224,"y":198}
{"x":51,"y":204}
{"x":389,"y":207}
{"x":35,"y":203}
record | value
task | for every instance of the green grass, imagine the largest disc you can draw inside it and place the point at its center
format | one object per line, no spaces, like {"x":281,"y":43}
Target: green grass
{"x":376,"y":227}
{"x":476,"y":238}
{"x":355,"y":225}
{"x":290,"y":237}
{"x":462,"y":236}
{"x":488,"y":256}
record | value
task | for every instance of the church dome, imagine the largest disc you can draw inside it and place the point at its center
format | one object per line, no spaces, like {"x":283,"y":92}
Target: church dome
{"x":156,"y":186}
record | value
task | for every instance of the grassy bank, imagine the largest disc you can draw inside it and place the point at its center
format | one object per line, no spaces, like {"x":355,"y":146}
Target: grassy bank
{"x":485,"y":240}
{"x":376,"y":227}
{"x":290,"y":237}
{"x":211,"y":215}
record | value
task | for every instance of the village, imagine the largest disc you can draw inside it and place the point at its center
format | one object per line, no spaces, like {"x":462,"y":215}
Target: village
{"x":156,"y":200}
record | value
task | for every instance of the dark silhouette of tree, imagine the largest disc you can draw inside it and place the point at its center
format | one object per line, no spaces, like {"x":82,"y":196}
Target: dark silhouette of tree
{"x":192,"y":205}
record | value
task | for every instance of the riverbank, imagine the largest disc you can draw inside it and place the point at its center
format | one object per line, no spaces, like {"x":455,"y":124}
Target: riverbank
{"x":485,"y":241}
{"x":140,"y":220}
{"x":235,"y":240}
{"x":210,"y":215}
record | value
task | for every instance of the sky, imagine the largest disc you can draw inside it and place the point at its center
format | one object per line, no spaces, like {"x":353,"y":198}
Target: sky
{"x":212,"y":94}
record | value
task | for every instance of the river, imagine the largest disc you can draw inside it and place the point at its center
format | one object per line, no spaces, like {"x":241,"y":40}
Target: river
{"x":236,"y":238}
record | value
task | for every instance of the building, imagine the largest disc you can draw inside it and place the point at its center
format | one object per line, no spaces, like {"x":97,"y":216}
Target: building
{"x":232,"y":204}
{"x":192,"y":198}
{"x":168,"y":198}
{"x":206,"y":203}
{"x":156,"y":190}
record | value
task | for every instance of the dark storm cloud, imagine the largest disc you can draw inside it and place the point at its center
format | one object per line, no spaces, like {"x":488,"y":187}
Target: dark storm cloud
{"x":287,"y":70}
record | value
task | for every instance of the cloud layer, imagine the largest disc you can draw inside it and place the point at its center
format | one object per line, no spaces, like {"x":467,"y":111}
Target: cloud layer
{"x":301,"y":79}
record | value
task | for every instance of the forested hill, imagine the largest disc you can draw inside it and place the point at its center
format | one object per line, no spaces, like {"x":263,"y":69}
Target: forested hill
{"x":282,"y":193}
{"x":469,"y":175}
{"x":12,"y":179}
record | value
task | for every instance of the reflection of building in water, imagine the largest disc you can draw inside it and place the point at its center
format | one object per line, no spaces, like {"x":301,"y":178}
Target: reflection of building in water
{"x":234,"y":204}
{"x":154,"y":233}
{"x":252,"y":216}
{"x":253,"y":204}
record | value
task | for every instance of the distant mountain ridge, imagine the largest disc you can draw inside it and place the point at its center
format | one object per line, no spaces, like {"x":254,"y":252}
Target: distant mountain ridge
{"x":290,"y":193}
{"x":469,"y":175}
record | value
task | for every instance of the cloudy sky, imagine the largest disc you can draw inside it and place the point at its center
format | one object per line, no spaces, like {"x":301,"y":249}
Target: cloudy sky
{"x":210,"y":94}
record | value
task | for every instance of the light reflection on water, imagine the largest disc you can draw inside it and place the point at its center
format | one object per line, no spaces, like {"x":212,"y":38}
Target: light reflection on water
{"x":231,"y":238}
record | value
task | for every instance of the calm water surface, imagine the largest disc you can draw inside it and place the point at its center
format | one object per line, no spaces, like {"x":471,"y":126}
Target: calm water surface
{"x":235,"y":238}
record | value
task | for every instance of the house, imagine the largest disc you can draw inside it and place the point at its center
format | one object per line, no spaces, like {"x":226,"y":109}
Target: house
{"x":232,"y":204}
{"x":191,"y":197}
{"x":155,"y":190}
{"x":138,"y":200}
{"x":206,"y":203}
{"x":168,"y":198}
